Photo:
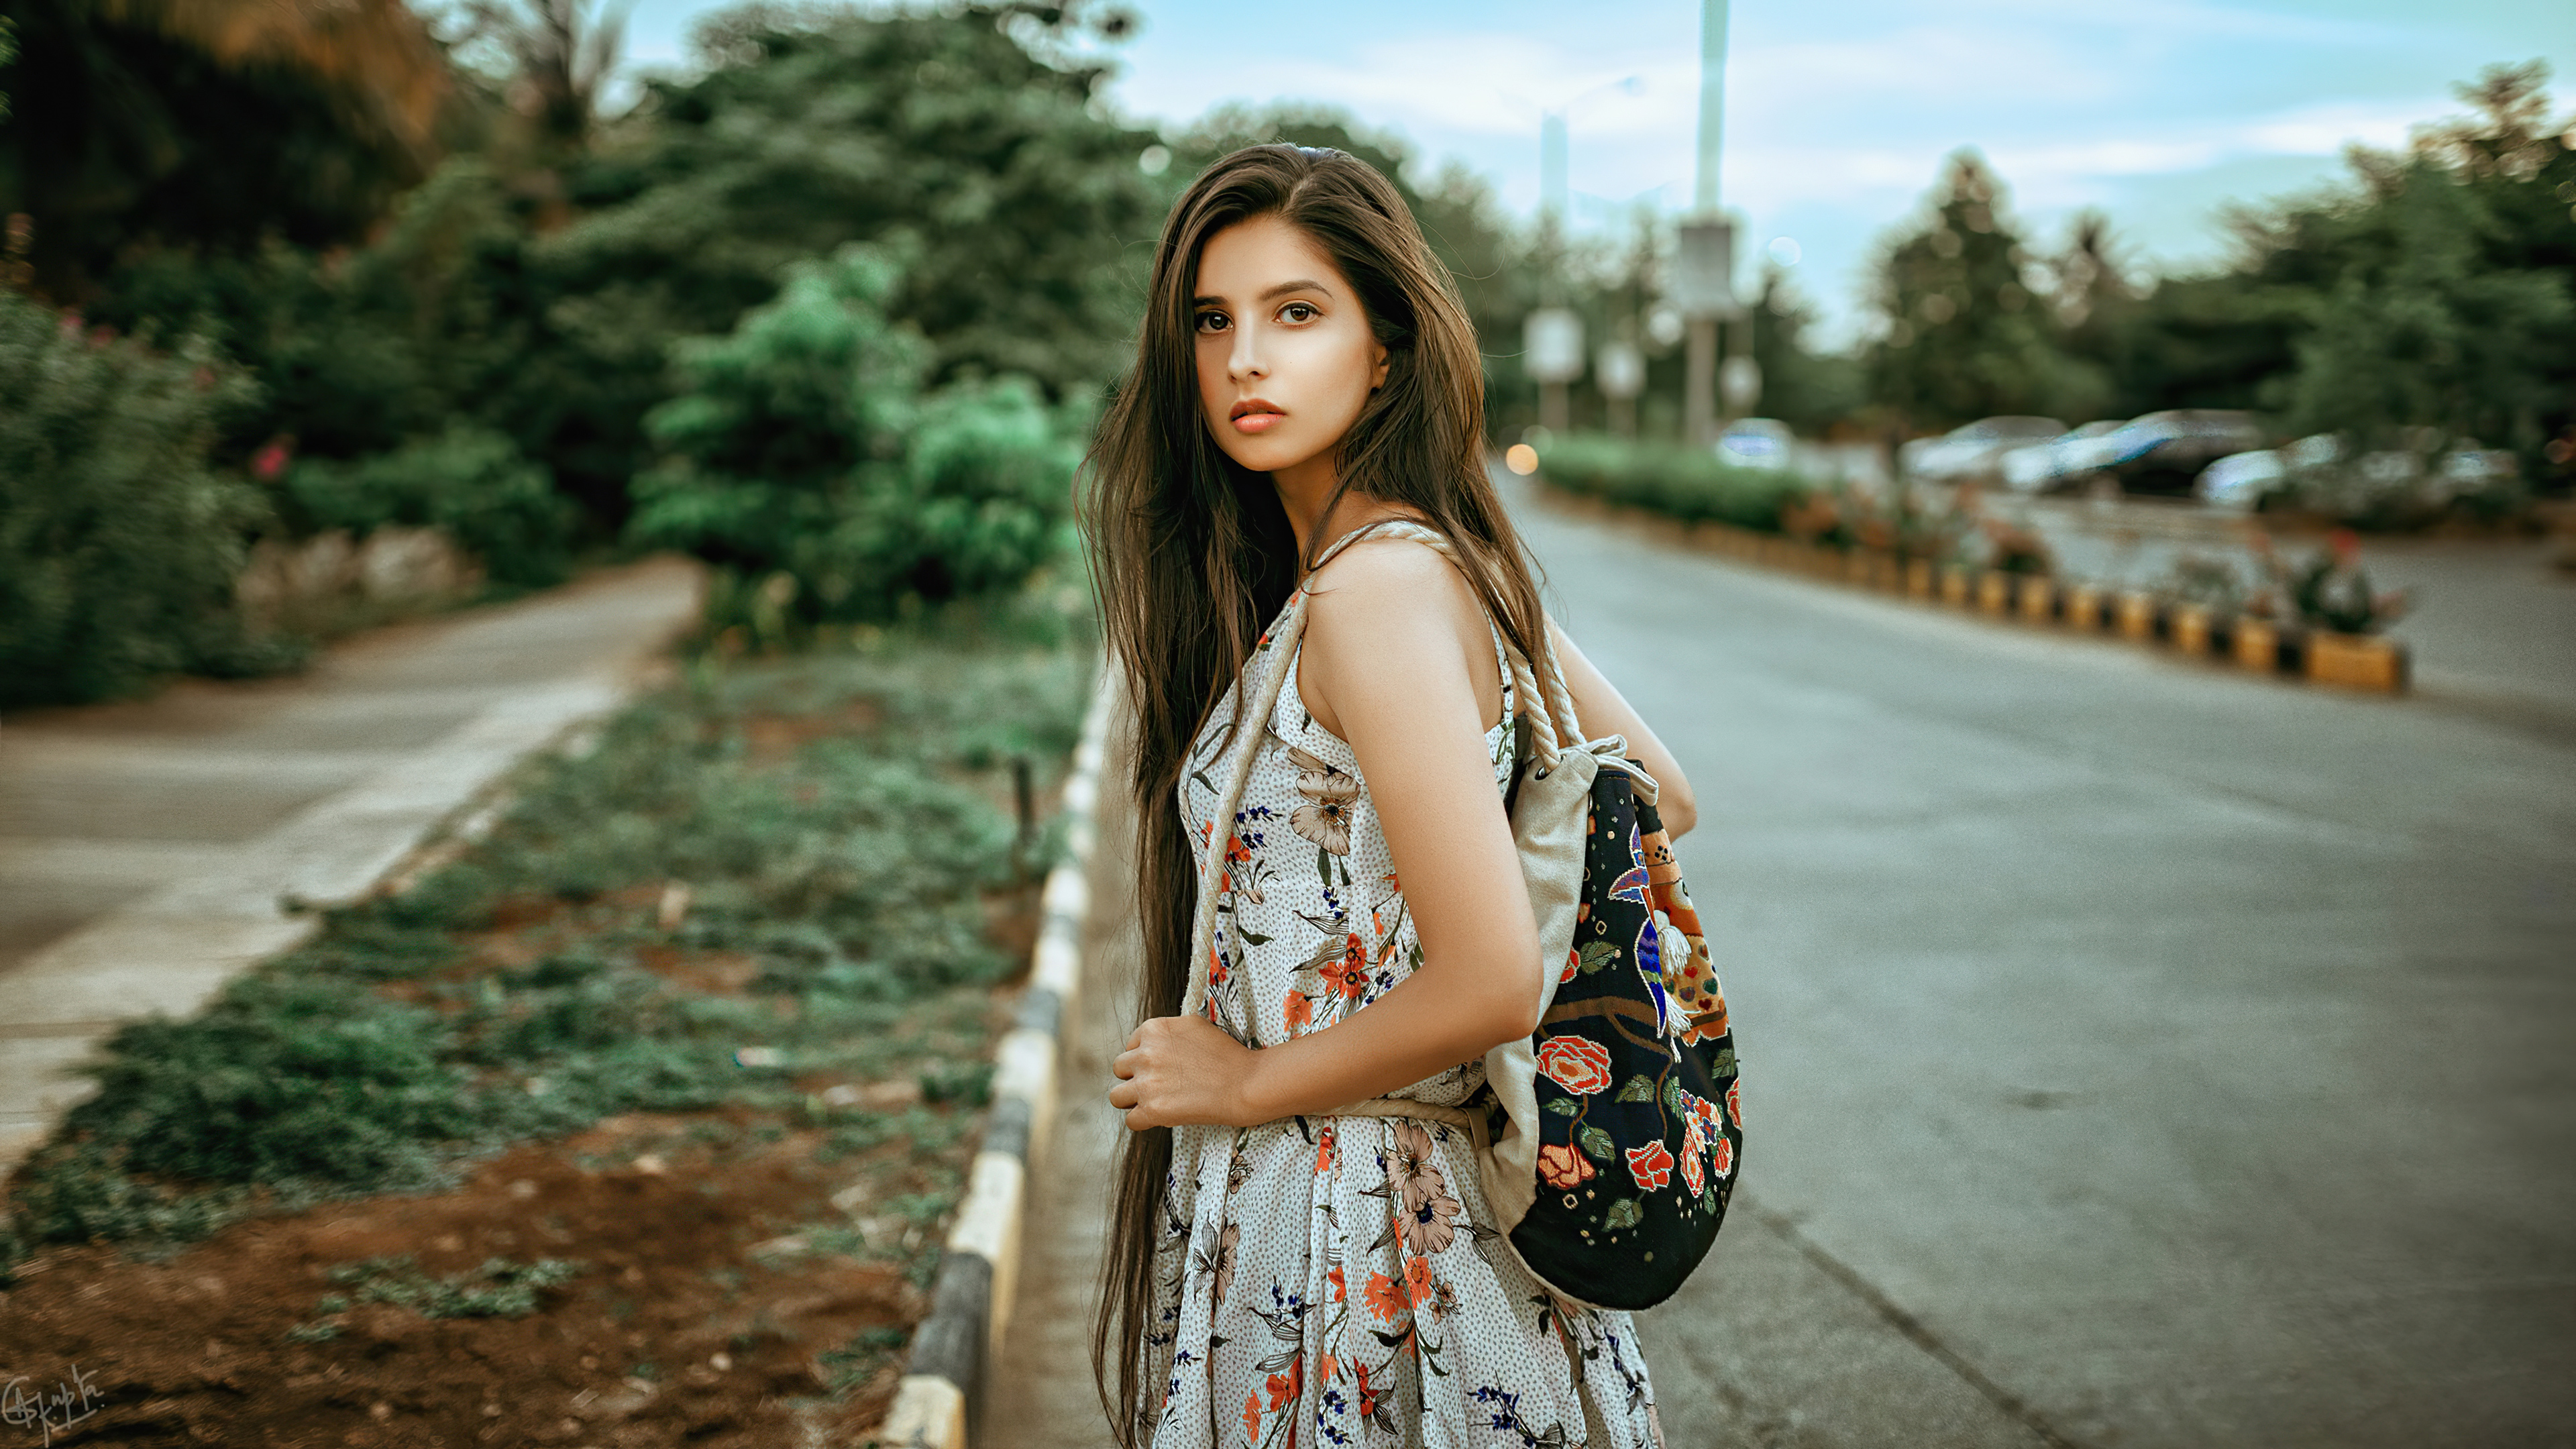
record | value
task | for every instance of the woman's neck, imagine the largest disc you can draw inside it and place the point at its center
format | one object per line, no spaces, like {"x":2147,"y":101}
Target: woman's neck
{"x":1303,"y":492}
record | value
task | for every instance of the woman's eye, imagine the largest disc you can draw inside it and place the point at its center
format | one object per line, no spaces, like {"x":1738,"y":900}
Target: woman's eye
{"x":1298,"y":312}
{"x":1211,"y":322}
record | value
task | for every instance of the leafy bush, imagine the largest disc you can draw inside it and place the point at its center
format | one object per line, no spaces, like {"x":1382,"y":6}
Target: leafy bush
{"x":119,"y":546}
{"x":1685,"y":483}
{"x":802,"y":450}
{"x":469,"y":481}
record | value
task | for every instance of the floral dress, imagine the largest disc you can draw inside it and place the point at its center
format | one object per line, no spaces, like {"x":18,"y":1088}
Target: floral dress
{"x":1339,"y":1281}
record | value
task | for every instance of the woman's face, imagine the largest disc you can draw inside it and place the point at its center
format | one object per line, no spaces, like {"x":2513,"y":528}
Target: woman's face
{"x":1286,"y":359}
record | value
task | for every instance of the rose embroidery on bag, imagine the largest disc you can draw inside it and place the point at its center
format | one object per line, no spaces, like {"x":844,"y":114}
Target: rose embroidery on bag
{"x":1651,"y":1165}
{"x":1578,"y":1065}
{"x":1560,"y":1166}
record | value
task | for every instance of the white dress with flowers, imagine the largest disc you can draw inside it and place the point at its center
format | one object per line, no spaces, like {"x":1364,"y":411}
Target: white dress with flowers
{"x":1338,"y":1281}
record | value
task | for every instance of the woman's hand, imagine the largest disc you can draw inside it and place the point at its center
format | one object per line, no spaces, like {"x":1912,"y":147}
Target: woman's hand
{"x":1182,"y":1070}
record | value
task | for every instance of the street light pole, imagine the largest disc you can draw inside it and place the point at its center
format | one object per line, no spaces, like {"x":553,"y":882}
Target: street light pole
{"x":1709,"y":247}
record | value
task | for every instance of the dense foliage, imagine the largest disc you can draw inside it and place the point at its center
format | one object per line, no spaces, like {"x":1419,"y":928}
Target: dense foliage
{"x":2428,"y":304}
{"x":1967,"y":337}
{"x":118,"y":545}
{"x":802,"y":448}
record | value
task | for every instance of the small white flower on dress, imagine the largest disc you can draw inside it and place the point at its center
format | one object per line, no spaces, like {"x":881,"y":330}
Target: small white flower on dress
{"x":1325,"y":818}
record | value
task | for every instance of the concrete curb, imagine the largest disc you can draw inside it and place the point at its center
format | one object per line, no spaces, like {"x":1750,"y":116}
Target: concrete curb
{"x":2354,"y":661}
{"x":939,"y":1403}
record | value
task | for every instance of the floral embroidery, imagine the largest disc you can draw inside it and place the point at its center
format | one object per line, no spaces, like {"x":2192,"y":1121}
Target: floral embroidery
{"x":1560,"y":1166}
{"x":1651,"y":1165}
{"x":1578,"y":1065}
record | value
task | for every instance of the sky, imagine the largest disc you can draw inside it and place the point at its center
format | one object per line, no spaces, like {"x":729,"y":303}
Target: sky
{"x":1839,"y":113}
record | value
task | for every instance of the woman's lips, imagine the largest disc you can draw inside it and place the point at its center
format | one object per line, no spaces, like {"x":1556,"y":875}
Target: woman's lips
{"x":1258,"y":422}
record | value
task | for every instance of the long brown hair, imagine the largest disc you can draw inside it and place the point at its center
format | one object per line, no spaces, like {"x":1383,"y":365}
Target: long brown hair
{"x":1192,"y":553}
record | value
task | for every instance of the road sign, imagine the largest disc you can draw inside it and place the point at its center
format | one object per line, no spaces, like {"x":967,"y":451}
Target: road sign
{"x":1552,"y":345}
{"x":1619,"y":370}
{"x":1703,"y":279}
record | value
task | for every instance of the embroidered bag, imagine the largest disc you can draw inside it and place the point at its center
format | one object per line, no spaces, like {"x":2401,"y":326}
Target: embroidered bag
{"x":1611,"y":1136}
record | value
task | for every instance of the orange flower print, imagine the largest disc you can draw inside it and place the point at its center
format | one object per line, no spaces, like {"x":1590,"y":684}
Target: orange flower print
{"x":1694,"y":1153}
{"x":1573,"y":963}
{"x":1651,"y":1165}
{"x":1299,"y":1009}
{"x":1252,"y":1417}
{"x":1579,"y":1066}
{"x":1721,"y":1157}
{"x":1324,"y":1155}
{"x":1386,"y":1300}
{"x":1561,"y":1166}
{"x":1341,"y":1294}
{"x":1734,"y":1108}
{"x":1417,"y":1279}
{"x":1282,"y":1388}
{"x":1348,"y":973}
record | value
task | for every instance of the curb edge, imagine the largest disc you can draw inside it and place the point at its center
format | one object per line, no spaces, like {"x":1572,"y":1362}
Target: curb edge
{"x":938,"y":1403}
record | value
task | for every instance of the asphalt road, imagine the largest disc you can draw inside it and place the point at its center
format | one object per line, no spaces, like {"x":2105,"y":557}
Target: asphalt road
{"x":2137,"y":1053}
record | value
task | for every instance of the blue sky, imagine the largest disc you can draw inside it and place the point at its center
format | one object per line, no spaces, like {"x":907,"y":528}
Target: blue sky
{"x":1839,"y":112}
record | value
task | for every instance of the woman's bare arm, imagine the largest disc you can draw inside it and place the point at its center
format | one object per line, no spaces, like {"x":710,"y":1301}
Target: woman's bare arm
{"x":1389,"y":637}
{"x":1604,"y":711}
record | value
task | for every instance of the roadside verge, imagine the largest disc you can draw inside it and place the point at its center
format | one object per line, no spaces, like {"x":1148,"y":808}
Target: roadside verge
{"x":939,"y":1402}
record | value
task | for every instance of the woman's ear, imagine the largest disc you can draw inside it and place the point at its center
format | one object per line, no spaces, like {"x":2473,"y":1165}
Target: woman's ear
{"x":1378,"y":380}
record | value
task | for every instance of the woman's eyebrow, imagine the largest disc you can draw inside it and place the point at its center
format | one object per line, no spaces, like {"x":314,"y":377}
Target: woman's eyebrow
{"x":1282,"y":290}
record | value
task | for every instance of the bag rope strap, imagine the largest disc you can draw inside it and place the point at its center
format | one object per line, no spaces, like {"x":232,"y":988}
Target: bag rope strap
{"x":1550,"y":737}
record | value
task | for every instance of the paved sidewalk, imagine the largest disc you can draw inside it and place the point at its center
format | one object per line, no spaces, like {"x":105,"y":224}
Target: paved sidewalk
{"x":144,"y":846}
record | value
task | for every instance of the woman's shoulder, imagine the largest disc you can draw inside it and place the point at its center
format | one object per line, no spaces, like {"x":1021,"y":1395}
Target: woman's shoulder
{"x":1382,"y":572}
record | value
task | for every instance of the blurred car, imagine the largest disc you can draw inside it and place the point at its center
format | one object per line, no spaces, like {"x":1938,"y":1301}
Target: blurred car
{"x":1762,"y":443}
{"x":2062,"y":460}
{"x":1968,"y":454}
{"x":2165,"y":452}
{"x":2241,"y":480}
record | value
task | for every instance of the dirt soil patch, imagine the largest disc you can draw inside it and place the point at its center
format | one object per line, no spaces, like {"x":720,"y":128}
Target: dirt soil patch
{"x":717,"y":1296}
{"x":718,"y":1001}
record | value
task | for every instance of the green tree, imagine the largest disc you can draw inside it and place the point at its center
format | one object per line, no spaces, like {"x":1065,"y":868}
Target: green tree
{"x":211,"y":123}
{"x":942,"y":135}
{"x":1804,"y":388}
{"x":803,"y":449}
{"x":1966,"y":336}
{"x":2431,"y":293}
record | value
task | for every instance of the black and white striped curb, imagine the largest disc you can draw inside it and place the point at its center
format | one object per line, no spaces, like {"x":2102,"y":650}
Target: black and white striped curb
{"x":939,"y":1401}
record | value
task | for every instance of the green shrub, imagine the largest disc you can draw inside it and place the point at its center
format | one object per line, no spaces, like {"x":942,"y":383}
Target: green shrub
{"x":801,"y":451}
{"x":284,"y":1078}
{"x":1686,"y":483}
{"x":468,"y":481}
{"x":119,"y":546}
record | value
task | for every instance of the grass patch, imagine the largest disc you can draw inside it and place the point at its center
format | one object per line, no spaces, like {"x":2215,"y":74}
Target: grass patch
{"x":775,"y":872}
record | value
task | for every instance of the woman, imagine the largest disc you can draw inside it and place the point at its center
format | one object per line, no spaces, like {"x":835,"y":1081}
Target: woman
{"x":1278,"y":1274}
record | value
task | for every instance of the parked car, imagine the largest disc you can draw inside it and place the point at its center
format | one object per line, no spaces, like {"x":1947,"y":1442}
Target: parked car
{"x":1968,"y":454}
{"x":2242,"y":480}
{"x":2061,"y":461}
{"x":2165,"y":452}
{"x":1762,"y":443}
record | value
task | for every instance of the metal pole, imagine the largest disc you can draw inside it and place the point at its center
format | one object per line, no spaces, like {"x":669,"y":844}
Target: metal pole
{"x":1699,"y":384}
{"x":1699,"y":378}
{"x":1712,"y":103}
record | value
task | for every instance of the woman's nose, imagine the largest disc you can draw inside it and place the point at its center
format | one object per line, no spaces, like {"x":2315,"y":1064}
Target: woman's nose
{"x":1245,"y":360}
